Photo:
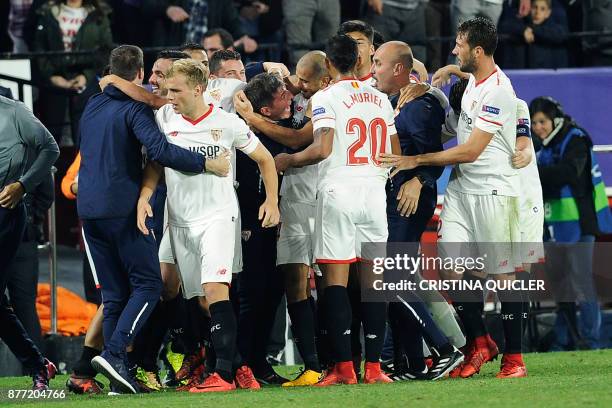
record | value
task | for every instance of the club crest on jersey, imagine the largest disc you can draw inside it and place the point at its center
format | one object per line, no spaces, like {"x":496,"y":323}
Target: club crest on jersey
{"x":173,"y":134}
{"x":216,"y":134}
{"x":490,"y":109}
{"x":215,"y":94}
{"x":473,"y":105}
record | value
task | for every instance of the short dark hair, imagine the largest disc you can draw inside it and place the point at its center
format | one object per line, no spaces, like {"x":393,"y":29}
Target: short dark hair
{"x":226,"y":38}
{"x":261,"y":89}
{"x":126,"y":61}
{"x":219,"y":57}
{"x":358,"y":26}
{"x":191,"y":46}
{"x":173,"y":55}
{"x":479,"y":32}
{"x":378,"y":39}
{"x":341,"y":50}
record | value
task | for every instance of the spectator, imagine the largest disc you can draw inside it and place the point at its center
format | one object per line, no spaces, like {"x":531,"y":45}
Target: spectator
{"x":437,"y":18}
{"x":576,"y":211}
{"x":462,"y":10}
{"x":309,"y":22}
{"x":263,"y":20}
{"x":178,"y":21}
{"x":68,"y":81}
{"x":217,"y":39}
{"x":402,"y":20}
{"x":17,"y":20}
{"x":597,"y":16}
{"x":537,"y":41}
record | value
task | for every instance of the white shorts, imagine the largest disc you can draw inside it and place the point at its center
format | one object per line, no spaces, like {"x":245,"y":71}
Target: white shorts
{"x":167,"y":256}
{"x":531,"y":220}
{"x":204,"y":253}
{"x":475,"y":225}
{"x":296,"y":239}
{"x":349,"y":215}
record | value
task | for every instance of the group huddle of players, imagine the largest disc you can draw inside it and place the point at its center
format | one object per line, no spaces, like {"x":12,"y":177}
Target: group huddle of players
{"x":336,"y":119}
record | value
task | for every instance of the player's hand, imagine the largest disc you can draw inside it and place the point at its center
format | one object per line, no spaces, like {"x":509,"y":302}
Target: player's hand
{"x":269,"y":214}
{"x":398,"y":162}
{"x":408,"y":197}
{"x":524,"y":8}
{"x":60,"y":81}
{"x":441,"y":77}
{"x":143,"y":210}
{"x":79,"y":82}
{"x":521,"y":158}
{"x":376,"y":6}
{"x":242,"y":105}
{"x":283,"y":161}
{"x":177,"y":14}
{"x":106,"y":81}
{"x":410,"y":92}
{"x":220,"y":165}
{"x":11,"y":194}
{"x":420,"y":69}
{"x":276,"y":68}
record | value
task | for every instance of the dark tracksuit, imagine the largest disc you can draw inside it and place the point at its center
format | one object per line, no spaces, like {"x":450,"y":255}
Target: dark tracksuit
{"x":418,"y":127}
{"x":260,"y":288}
{"x":113,"y":130}
{"x":27,"y":152}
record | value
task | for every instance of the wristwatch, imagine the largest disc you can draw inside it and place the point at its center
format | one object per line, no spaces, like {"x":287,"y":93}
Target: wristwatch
{"x":421,"y":179}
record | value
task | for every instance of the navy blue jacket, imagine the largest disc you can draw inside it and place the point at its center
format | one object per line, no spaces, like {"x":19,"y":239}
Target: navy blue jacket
{"x":418,"y":126}
{"x":113,"y":130}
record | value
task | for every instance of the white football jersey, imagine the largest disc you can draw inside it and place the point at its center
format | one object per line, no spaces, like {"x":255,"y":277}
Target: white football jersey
{"x":368,"y":80}
{"x":220,"y":92}
{"x":489,"y":105}
{"x":362,"y":119}
{"x":194,"y":199}
{"x":300,"y":184}
{"x":531,"y":188}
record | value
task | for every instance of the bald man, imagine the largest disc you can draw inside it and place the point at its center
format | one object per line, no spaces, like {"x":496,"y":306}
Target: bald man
{"x":411,"y":201}
{"x":298,"y":205}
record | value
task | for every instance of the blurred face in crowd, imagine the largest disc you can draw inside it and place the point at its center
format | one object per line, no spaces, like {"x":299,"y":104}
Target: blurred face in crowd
{"x":540,"y":11}
{"x":541,"y":125}
{"x":182,"y":95}
{"x":198,"y":55}
{"x":365,"y":47}
{"x":158,"y":75}
{"x":232,"y":69}
{"x":212,"y":44}
{"x":309,"y":82}
{"x":465,"y":55}
{"x":280,"y":108}
{"x":383,"y":69}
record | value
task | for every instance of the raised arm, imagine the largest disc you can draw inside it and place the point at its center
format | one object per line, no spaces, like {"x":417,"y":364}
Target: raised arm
{"x":134,"y":91}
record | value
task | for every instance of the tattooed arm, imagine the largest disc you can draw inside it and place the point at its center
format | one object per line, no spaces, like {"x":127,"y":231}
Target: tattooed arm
{"x":318,"y":151}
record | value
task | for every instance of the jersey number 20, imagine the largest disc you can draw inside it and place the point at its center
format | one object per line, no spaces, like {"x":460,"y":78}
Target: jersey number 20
{"x":357,"y":126}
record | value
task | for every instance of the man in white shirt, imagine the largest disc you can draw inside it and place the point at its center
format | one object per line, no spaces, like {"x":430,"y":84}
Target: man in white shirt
{"x":202,"y":210}
{"x":353,"y":124}
{"x":481,"y":204}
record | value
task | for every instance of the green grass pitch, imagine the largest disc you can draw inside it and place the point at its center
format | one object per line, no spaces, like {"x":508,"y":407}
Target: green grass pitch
{"x":571,"y":379}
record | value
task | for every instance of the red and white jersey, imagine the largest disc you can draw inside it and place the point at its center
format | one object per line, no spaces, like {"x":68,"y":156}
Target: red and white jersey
{"x":300,"y":183}
{"x":531,"y":188}
{"x":220,"y":92}
{"x":368,"y":80}
{"x":489,"y":105}
{"x":362,"y":119}
{"x":193,"y":199}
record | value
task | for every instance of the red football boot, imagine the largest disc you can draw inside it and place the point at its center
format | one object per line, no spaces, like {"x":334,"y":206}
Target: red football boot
{"x":373,"y":374}
{"x":483,"y":351}
{"x":342,"y":373}
{"x":245,"y":379}
{"x":214,"y":383}
{"x":512,"y":366}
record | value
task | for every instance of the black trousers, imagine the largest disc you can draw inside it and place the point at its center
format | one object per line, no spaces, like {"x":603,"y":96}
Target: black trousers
{"x":12,"y":226}
{"x":260,"y":291}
